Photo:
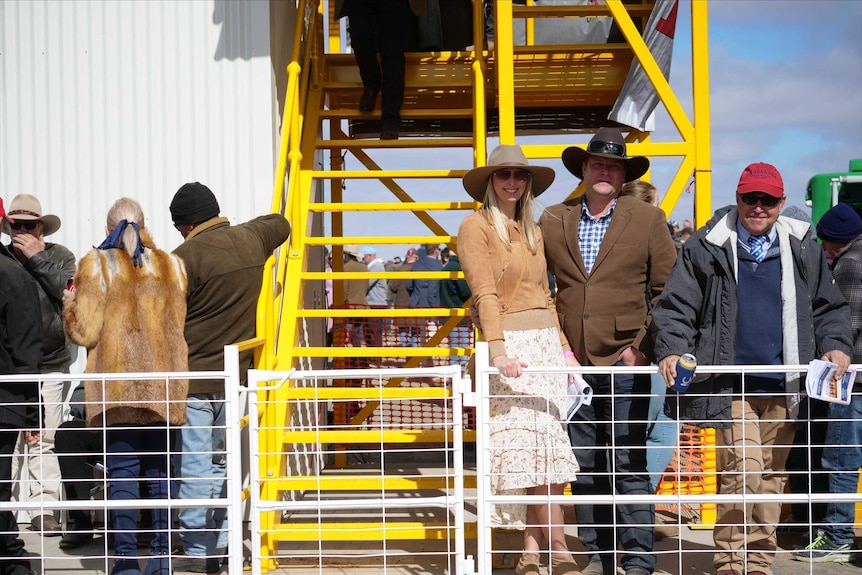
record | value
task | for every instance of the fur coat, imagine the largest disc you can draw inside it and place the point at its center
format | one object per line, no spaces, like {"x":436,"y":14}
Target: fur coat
{"x":131,"y":319}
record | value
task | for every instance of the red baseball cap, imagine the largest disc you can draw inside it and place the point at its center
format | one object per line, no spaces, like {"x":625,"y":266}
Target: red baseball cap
{"x":760,"y":177}
{"x":3,"y":214}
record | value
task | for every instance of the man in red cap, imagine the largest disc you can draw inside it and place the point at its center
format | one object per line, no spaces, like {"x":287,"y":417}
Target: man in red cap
{"x":750,"y":288}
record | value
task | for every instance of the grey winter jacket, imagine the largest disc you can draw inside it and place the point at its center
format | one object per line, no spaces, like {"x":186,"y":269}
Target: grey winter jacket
{"x":696,"y":313}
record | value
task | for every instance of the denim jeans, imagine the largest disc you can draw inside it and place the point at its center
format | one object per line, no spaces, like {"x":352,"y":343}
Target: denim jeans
{"x":842,"y":457}
{"x":411,"y":336}
{"x":201,"y":464}
{"x":662,"y":433}
{"x":461,"y":336}
{"x":612,"y":458}
{"x":133,"y":454}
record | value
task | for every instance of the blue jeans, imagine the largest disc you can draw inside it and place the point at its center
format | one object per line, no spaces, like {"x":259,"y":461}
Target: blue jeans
{"x":201,"y":464}
{"x":842,"y":457}
{"x":461,"y":336}
{"x":133,"y":454}
{"x":411,"y":336}
{"x":613,"y":459}
{"x":662,"y":433}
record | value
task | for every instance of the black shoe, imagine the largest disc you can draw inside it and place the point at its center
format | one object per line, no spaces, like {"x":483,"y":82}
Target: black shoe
{"x":16,"y":567}
{"x":75,"y":539}
{"x":368,"y":100}
{"x":46,"y":525}
{"x":192,"y":564}
{"x":389,"y":130}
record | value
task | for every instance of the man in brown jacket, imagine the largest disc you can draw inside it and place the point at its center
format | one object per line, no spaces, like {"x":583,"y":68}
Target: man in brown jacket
{"x":611,"y":256}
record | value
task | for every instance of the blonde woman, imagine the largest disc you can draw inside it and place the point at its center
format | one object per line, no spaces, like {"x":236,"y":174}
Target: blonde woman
{"x":128,"y":308}
{"x":503,"y":258}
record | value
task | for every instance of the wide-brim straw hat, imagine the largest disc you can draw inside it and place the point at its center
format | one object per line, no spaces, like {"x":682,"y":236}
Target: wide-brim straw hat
{"x":607,"y":143}
{"x":506,"y":156}
{"x":27,"y":207}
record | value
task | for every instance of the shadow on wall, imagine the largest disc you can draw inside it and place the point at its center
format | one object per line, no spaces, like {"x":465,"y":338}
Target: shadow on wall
{"x":244,"y":29}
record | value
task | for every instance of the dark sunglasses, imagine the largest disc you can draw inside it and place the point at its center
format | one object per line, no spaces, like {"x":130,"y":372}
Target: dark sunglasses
{"x":765,"y":200}
{"x":613,"y":148}
{"x":29,"y":225}
{"x":519,"y":175}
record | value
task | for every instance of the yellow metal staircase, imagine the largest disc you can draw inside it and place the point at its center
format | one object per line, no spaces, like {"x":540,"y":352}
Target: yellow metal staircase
{"x":453,"y":102}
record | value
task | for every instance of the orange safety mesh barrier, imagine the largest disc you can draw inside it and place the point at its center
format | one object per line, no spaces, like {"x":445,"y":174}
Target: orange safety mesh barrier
{"x":691,"y":472}
{"x":398,"y":333}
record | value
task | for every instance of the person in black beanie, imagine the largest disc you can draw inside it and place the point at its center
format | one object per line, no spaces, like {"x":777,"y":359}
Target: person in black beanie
{"x":840,"y":232}
{"x":225,"y":271}
{"x":838,"y":228}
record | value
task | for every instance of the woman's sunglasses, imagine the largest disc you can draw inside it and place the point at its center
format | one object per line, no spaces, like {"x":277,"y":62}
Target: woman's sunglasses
{"x":519,"y":175}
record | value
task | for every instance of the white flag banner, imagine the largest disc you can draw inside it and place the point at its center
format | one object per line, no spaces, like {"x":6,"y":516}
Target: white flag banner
{"x":638,"y":98}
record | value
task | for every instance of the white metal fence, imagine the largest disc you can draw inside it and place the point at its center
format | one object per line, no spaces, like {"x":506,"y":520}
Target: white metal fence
{"x":398,"y":494}
{"x":99,"y":556}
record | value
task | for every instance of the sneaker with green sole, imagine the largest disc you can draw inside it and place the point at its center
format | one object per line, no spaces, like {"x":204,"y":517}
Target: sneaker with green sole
{"x":822,"y":550}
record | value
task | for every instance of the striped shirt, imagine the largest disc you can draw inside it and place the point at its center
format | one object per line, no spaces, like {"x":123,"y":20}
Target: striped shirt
{"x":591,"y":232}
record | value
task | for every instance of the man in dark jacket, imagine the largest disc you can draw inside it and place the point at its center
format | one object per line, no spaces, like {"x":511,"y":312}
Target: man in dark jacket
{"x":20,"y":353}
{"x":51,"y":265}
{"x":454,"y":294}
{"x":424,"y":292}
{"x":224,"y":265}
{"x":750,"y":288}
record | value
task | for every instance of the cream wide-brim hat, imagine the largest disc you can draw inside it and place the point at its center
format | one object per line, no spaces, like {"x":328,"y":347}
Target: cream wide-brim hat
{"x":28,"y":208}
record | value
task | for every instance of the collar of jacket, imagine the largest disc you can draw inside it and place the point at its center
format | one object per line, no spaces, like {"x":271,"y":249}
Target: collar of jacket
{"x":725,"y":228}
{"x":201,"y":228}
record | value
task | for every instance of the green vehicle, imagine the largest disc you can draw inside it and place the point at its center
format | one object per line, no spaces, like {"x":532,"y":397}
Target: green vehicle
{"x":826,"y":190}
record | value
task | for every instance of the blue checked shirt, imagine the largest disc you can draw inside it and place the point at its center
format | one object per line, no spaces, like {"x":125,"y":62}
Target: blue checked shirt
{"x":591,"y":232}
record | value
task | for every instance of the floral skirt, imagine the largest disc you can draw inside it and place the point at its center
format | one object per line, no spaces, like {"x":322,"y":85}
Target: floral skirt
{"x":529,"y":443}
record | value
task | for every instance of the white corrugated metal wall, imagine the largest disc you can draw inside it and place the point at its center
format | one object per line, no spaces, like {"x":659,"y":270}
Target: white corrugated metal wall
{"x":102,"y":99}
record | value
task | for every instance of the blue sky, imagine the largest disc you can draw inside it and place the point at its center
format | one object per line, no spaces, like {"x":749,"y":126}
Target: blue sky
{"x":786,"y":88}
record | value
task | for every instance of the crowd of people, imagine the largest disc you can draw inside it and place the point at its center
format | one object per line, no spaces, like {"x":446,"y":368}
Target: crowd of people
{"x":750,"y":287}
{"x":134,"y":308}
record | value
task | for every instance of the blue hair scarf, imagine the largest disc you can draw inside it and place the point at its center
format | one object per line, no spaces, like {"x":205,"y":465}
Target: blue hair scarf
{"x":115,"y":241}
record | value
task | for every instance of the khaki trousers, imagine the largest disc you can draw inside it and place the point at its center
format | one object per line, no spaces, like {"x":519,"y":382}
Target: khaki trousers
{"x":751,"y":458}
{"x":43,"y":467}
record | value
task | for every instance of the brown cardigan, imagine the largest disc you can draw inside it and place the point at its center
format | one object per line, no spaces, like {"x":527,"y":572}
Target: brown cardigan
{"x":492,"y":272}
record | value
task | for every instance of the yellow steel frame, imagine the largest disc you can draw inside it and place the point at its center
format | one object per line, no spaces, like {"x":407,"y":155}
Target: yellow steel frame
{"x":281,"y":308}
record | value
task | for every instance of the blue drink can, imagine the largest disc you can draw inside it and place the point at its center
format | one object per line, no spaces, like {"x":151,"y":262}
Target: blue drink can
{"x":684,"y":372}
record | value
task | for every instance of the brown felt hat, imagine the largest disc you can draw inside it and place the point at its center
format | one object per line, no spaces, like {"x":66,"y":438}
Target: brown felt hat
{"x":506,"y":156}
